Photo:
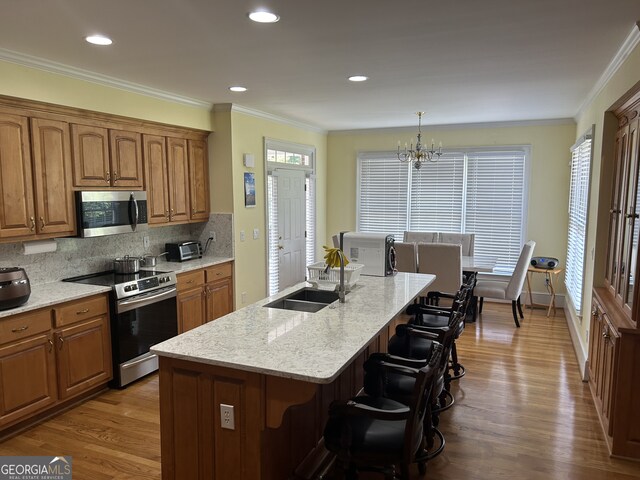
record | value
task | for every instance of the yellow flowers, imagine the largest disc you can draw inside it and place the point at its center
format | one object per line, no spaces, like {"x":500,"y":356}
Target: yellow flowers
{"x":332,"y":256}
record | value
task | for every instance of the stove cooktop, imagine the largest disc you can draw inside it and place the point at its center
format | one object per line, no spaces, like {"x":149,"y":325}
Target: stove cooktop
{"x":127,"y":285}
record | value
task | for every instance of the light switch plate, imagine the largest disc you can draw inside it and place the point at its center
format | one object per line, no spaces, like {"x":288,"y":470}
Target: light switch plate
{"x":256,"y":233}
{"x":242,"y":235}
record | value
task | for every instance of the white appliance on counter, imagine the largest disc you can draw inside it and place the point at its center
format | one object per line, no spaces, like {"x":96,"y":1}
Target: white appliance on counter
{"x":374,"y":250}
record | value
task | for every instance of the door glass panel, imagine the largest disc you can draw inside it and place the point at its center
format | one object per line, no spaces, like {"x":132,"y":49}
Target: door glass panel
{"x":634,"y":224}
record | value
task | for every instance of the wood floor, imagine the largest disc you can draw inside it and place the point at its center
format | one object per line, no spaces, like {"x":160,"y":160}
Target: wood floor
{"x":521,"y":412}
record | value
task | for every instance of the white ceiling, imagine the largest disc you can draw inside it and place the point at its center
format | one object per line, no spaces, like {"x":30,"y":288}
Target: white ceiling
{"x":461,"y":61}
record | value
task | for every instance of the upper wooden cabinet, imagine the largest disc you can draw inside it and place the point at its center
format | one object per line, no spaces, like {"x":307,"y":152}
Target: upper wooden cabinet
{"x":106,"y":158}
{"x":199,"y":176}
{"x":36,"y":198}
{"x":176,"y":179}
{"x":52,"y":177}
{"x":17,"y":213}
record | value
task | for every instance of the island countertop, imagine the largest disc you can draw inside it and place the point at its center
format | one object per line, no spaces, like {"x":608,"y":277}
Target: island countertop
{"x":313,"y":347}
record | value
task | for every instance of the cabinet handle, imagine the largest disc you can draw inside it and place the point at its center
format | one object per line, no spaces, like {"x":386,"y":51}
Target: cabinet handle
{"x":42,"y":225}
{"x":20,"y":329}
{"x":189,"y":281}
{"x":86,"y":310}
{"x":218,"y":274}
{"x":108,"y":178}
{"x":605,"y":335}
{"x":33,"y":223}
{"x":50,"y":345}
{"x":594,"y":313}
{"x":115,"y":177}
{"x":61,"y":342}
{"x":631,"y":215}
{"x":615,"y":210}
{"x":166,"y":213}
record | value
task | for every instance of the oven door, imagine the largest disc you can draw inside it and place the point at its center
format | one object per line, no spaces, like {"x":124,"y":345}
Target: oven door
{"x":141,"y":322}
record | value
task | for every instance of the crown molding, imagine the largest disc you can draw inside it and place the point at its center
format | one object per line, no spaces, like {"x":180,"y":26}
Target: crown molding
{"x":632,"y":40}
{"x":233,"y":107}
{"x":105,"y":80}
{"x":461,"y":126}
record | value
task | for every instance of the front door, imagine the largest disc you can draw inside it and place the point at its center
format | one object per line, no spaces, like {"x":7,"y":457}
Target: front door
{"x":291,"y":226}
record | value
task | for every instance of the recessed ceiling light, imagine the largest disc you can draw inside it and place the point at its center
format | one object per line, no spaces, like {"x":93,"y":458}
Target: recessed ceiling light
{"x":238,"y":88}
{"x":264,"y":17}
{"x":99,"y":40}
{"x":358,"y":78}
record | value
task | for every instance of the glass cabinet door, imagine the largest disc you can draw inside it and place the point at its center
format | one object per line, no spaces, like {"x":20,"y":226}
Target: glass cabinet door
{"x":631,"y":224}
{"x":615,"y":214}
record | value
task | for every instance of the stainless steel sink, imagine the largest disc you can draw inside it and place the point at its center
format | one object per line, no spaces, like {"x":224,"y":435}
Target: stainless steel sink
{"x":305,"y":300}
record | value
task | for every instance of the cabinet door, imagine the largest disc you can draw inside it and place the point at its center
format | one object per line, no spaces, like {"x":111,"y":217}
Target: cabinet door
{"x":615,"y":212}
{"x":190,"y":309}
{"x":630,"y":235}
{"x":157,"y":178}
{"x":90,"y":156}
{"x":83,"y":356}
{"x":219,"y":299}
{"x":199,"y":176}
{"x":126,"y":159}
{"x":53,"y":176}
{"x":27,"y":378}
{"x":178,"y":165}
{"x":609,"y":352}
{"x":17,"y":215}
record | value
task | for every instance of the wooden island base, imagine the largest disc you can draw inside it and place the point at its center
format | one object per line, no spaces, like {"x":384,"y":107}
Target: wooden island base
{"x":278,"y":421}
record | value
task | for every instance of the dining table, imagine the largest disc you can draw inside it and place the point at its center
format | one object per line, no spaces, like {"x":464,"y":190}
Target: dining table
{"x":476,"y":265}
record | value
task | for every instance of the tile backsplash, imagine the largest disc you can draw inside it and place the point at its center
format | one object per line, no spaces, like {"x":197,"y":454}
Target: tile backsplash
{"x":79,"y":256}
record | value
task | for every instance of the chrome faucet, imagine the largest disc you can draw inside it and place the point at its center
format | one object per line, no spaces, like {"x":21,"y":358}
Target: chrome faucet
{"x":341,"y":288}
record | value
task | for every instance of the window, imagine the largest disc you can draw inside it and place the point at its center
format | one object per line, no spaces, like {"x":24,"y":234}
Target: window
{"x":479,"y":191}
{"x":578,"y":209}
{"x":284,"y":155}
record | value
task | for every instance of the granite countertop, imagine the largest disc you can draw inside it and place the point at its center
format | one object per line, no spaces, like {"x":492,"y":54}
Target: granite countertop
{"x":48,"y":294}
{"x":312,"y":347}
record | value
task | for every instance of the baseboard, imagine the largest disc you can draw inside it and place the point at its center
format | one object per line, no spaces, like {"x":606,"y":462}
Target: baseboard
{"x":579,"y":349}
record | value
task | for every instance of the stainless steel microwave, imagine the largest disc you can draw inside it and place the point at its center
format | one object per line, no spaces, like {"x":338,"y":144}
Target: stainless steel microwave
{"x":111,"y":212}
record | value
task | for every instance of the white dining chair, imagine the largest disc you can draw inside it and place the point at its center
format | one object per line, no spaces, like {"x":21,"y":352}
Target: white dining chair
{"x":466,"y":240}
{"x":406,"y":257}
{"x":444,"y":260}
{"x":420,"y":237}
{"x":510,"y":290}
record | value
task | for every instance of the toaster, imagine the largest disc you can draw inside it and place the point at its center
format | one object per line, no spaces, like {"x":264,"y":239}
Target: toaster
{"x":179,"y":252}
{"x":15,"y":288}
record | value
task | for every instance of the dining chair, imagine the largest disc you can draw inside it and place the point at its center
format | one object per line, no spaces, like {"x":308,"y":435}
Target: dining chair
{"x":406,"y":257}
{"x":444,"y":260}
{"x":510,"y":290}
{"x":466,"y":240}
{"x":420,"y":237}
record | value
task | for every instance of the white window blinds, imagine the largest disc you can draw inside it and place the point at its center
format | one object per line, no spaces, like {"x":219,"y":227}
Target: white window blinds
{"x":481,"y":191}
{"x":382,"y":194}
{"x":494,"y":206}
{"x":578,"y":210}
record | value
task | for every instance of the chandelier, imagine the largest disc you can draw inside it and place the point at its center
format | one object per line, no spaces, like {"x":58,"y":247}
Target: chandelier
{"x":421,"y":153}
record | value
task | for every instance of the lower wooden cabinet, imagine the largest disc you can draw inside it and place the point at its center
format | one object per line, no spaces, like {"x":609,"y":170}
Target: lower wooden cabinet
{"x":27,"y":378}
{"x":50,"y":355}
{"x":204,"y":295}
{"x":614,"y":374}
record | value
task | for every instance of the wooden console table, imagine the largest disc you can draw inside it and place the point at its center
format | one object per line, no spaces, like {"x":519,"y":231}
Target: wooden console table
{"x":550,"y":274}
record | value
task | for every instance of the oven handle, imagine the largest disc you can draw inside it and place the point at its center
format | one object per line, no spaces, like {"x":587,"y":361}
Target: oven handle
{"x":126,"y":305}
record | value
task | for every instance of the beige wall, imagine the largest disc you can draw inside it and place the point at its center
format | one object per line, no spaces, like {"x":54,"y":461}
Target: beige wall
{"x":548,"y":172}
{"x":626,"y":78}
{"x":34,"y":84}
{"x":248,"y":134}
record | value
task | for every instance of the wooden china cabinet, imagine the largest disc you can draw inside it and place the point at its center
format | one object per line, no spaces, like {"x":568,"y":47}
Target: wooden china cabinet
{"x":614,"y":343}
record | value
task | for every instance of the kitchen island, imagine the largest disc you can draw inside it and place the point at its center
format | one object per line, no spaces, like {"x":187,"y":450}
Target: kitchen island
{"x":278,"y":370}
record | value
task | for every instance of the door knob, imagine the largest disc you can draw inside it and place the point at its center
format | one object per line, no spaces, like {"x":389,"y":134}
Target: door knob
{"x":280,"y":247}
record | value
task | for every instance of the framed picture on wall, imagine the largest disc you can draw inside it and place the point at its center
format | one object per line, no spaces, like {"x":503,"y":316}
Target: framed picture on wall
{"x":249,"y":189}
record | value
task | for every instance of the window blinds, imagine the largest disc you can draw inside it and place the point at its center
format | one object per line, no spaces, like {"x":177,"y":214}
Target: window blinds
{"x":481,"y":191}
{"x":578,"y":210}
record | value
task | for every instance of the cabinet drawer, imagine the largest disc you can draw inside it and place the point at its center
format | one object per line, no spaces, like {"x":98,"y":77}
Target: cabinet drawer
{"x":25,"y":325}
{"x":218,"y":272}
{"x":73,"y":312}
{"x":190,"y":280}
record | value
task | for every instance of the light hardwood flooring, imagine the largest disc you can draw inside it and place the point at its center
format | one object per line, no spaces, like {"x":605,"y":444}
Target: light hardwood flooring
{"x":521,"y":412}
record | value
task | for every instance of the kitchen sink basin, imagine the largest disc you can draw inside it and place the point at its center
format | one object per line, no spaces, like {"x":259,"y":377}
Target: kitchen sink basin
{"x":305,"y":300}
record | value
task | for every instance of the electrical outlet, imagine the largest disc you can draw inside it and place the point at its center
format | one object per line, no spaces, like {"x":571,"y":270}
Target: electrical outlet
{"x":256,"y":233}
{"x":227,"y":417}
{"x":243,"y":297}
{"x":145,"y":241}
{"x":242,"y":235}
{"x":212,"y":235}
